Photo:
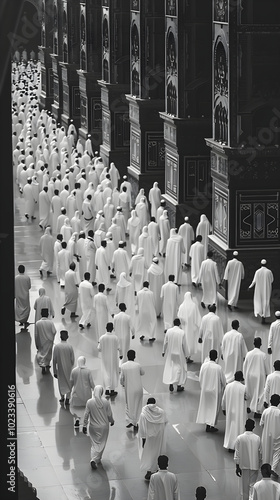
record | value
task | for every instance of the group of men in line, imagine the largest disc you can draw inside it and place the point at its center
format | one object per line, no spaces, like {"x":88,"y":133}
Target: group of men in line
{"x":94,"y":219}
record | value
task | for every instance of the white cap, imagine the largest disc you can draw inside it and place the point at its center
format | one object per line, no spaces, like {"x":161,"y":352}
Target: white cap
{"x":235,"y":252}
{"x":277,"y":314}
{"x":155,"y":259}
{"x":263,"y":261}
{"x":124,"y":176}
{"x":89,"y":135}
{"x":186,"y":219}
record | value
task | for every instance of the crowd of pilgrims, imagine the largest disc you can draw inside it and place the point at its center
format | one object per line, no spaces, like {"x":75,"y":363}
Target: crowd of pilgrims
{"x":93,"y":234}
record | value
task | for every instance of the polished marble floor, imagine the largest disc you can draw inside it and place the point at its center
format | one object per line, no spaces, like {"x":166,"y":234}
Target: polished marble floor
{"x":55,"y":457}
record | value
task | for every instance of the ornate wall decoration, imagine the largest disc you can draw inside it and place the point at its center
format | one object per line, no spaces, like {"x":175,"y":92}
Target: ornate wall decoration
{"x":83,"y":44}
{"x":106,"y":52}
{"x":220,"y":215}
{"x":135,"y":149}
{"x":155,"y":151}
{"x":83,"y":109}
{"x":106,"y":126}
{"x":171,"y":74}
{"x":196,"y":178}
{"x":258,"y":217}
{"x":43,"y":25}
{"x":220,"y":92}
{"x":135,"y":60}
{"x":65,"y":34}
{"x":55,"y":28}
{"x":135,"y":5}
{"x":221,"y":11}
{"x":171,"y":176}
{"x":171,"y":8}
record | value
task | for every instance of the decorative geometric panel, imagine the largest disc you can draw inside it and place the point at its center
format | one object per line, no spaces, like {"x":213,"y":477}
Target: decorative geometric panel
{"x":56,"y":90}
{"x":106,"y":127}
{"x":171,"y":74}
{"x":135,"y":60}
{"x":171,"y":8}
{"x":258,"y":217}
{"x":171,"y":176}
{"x":135,"y":149}
{"x":155,"y":151}
{"x":135,"y":5}
{"x":96,"y":114}
{"x":220,"y":102}
{"x":196,"y":178}
{"x":220,"y":216}
{"x":83,"y":107}
{"x":221,"y":11}
{"x":65,"y":99}
{"x":122,"y":130}
{"x":75,"y":101}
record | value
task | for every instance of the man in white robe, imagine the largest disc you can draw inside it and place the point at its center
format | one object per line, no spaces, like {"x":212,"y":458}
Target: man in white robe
{"x":88,"y":213}
{"x":71,"y":291}
{"x":262,"y":281}
{"x":233,"y":350}
{"x":234,"y":273}
{"x":256,"y":369}
{"x":247,"y":457}
{"x":187,"y":233}
{"x":90,"y":251}
{"x":160,"y":209}
{"x":273,"y":346}
{"x":86,"y":294}
{"x":154,"y":232}
{"x":42,"y":302}
{"x":109,"y":346}
{"x":22,"y":296}
{"x":209,"y":279}
{"x":124,"y":202}
{"x":234,"y":407}
{"x":131,"y":380}
{"x":63,"y":262}
{"x":124,"y":328}
{"x":212,"y":383}
{"x":190,"y":317}
{"x":151,"y":436}
{"x":101,"y":309}
{"x":210,"y":333}
{"x":272,"y":384}
{"x":154,"y":198}
{"x":29,"y":200}
{"x":56,"y":248}
{"x":44,"y":339}
{"x":115,"y":230}
{"x":133,"y":230}
{"x":121,"y":221}
{"x":266,"y":488}
{"x":170,"y":298}
{"x":155,"y":276}
{"x":163,"y":484}
{"x":44,"y":208}
{"x":204,"y":229}
{"x":120,"y":262}
{"x":196,"y":254}
{"x":46,"y":246}
{"x":60,"y":220}
{"x":63,"y":362}
{"x":102,"y":266}
{"x":56,"y":205}
{"x":270,"y":421}
{"x":164,"y":227}
{"x":147,"y":318}
{"x":175,"y":352}
{"x":175,"y":248}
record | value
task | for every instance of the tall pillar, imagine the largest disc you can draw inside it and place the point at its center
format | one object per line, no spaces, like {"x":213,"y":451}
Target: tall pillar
{"x":187,"y":115}
{"x":146,"y":98}
{"x":115,"y":83}
{"x":90,"y":72}
{"x":70,"y":62}
{"x":56,"y":57}
{"x":245,"y":137}
{"x":45,"y":49}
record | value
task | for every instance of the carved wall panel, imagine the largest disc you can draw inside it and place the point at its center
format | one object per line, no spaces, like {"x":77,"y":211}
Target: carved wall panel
{"x":106,"y":46}
{"x":197,"y":182}
{"x":171,"y":176}
{"x":83,"y":43}
{"x":122,"y":130}
{"x":55,"y":27}
{"x":220,"y":213}
{"x":171,"y":74}
{"x":65,"y":99}
{"x":155,"y":154}
{"x":135,"y":149}
{"x":65,"y":33}
{"x":221,"y":11}
{"x":106,"y":127}
{"x":96,"y":114}
{"x":171,"y":8}
{"x":258,"y":217}
{"x":221,"y":108}
{"x":135,"y":60}
{"x":83,"y":111}
{"x":75,"y":101}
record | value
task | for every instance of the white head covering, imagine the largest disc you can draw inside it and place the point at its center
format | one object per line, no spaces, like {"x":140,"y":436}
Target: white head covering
{"x":277,"y":314}
{"x":134,"y":219}
{"x":186,"y":219}
{"x":123,"y":281}
{"x":97,"y":395}
{"x":263,"y":262}
{"x":81,"y":361}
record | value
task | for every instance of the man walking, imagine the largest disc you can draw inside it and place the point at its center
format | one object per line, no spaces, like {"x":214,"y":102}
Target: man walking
{"x":247,"y":456}
{"x":130,"y":379}
{"x":63,"y":362}
{"x":163,"y":484}
{"x":175,"y":368}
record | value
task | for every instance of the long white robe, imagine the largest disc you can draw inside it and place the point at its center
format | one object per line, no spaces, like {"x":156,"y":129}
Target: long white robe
{"x":124,"y":328}
{"x":82,"y":384}
{"x":143,"y":213}
{"x":255,"y":371}
{"x":114,"y":176}
{"x":154,"y":232}
{"x":204,"y":228}
{"x":272,"y":386}
{"x":175,"y":349}
{"x":71,"y":291}
{"x":102,"y":267}
{"x":63,"y":362}
{"x":56,"y":206}
{"x":209,"y":279}
{"x":174,"y":250}
{"x":133,"y":229}
{"x":164,"y":227}
{"x":145,"y":242}
{"x":44,"y":209}
{"x":86,"y":294}
{"x":170,"y":297}
{"x":147,"y":319}
{"x":46,"y":246}
{"x":247,"y":455}
{"x":187,"y":233}
{"x":44,"y":338}
{"x":155,"y":276}
{"x":138,"y":270}
{"x":154,"y":198}
{"x":124,"y":293}
{"x":270,"y":420}
{"x":234,"y":273}
{"x":196,"y":255}
{"x":115,"y":230}
{"x":190,"y":318}
{"x":122,"y":223}
{"x":99,"y":413}
{"x":262,"y":281}
{"x":42,"y":302}
{"x":100,"y":304}
{"x":267,"y":489}
{"x":234,"y":350}
{"x":211,"y":332}
{"x":82,"y":266}
{"x":109,"y":346}
{"x":130,"y":379}
{"x":22,"y":298}
{"x":163,"y":485}
{"x":108,"y":211}
{"x":152,"y":427}
{"x":212,"y":382}
{"x":234,"y":404}
{"x":29,"y":200}
{"x":120,"y":262}
{"x":63,"y":263}
{"x":274,"y":340}
{"x":90,"y":251}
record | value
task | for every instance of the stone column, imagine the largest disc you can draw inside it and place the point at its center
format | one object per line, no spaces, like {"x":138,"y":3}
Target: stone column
{"x":45,"y":49}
